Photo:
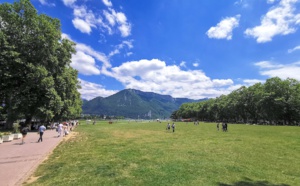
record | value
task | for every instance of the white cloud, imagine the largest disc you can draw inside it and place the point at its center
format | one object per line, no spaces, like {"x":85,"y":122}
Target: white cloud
{"x":66,"y":36}
{"x":110,"y":21}
{"x":267,"y":64}
{"x":82,"y":25}
{"x":279,"y":20}
{"x":114,"y":52}
{"x":223,"y":30}
{"x":182,"y":64}
{"x":155,"y":76}
{"x":107,"y":3}
{"x":84,"y":19}
{"x":125,"y":30}
{"x":120,"y":47}
{"x":279,"y":70}
{"x":69,"y":3}
{"x":118,"y":18}
{"x":98,"y":55}
{"x":270,"y":1}
{"x":242,"y":3}
{"x":128,"y":43}
{"x":44,"y":2}
{"x":91,"y":90}
{"x":86,"y":58}
{"x":110,"y":18}
{"x":251,"y":82}
{"x":195,"y":64}
{"x":294,"y":49}
{"x":84,"y":63}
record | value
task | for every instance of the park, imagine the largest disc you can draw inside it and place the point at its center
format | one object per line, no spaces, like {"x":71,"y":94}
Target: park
{"x":144,"y":153}
{"x":40,"y":85}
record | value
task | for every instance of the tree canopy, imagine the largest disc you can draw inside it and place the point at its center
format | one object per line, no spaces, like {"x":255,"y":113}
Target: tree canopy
{"x":36,"y":78}
{"x":276,"y":101}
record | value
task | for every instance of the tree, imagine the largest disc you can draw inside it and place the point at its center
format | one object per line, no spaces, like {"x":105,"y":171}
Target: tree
{"x":275,"y":102}
{"x":34,"y":59}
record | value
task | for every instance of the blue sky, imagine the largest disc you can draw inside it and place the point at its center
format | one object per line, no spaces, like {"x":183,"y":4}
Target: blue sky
{"x":183,"y":48}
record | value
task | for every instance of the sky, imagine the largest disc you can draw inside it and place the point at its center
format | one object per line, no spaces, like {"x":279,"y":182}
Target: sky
{"x":184,"y":48}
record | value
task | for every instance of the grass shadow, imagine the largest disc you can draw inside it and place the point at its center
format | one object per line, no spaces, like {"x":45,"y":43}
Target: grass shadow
{"x":248,"y":182}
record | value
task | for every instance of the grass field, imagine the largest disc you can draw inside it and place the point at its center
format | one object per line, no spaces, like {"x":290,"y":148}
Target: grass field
{"x":144,"y":153}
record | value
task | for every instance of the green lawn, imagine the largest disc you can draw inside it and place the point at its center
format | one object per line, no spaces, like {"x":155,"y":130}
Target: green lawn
{"x":144,"y":153}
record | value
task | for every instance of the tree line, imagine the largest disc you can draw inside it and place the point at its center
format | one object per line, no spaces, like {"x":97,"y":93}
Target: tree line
{"x":275,"y":102}
{"x":36,"y":79}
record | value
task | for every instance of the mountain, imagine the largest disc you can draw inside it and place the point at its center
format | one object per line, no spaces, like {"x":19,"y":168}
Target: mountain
{"x":132,"y":103}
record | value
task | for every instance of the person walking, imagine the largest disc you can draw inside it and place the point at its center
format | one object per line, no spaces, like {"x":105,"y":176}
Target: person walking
{"x":168,"y":127}
{"x":59,"y":129}
{"x":24,"y":132}
{"x":173,"y":127}
{"x":42,"y":129}
{"x":225,"y":127}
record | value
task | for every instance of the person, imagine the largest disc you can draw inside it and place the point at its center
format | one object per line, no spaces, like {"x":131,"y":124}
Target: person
{"x":173,"y":127}
{"x":168,"y":127}
{"x":24,"y":132}
{"x":59,"y":129}
{"x":65,"y":132}
{"x":52,"y":126}
{"x":218,"y":126}
{"x":42,"y":129}
{"x":225,"y":127}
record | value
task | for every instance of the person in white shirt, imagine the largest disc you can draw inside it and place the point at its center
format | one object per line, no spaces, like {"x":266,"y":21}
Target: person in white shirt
{"x":59,"y":129}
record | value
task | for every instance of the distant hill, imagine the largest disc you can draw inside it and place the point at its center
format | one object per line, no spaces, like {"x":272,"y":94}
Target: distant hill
{"x":132,"y":103}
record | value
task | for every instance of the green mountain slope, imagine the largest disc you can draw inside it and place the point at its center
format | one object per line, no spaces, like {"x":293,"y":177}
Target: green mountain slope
{"x":133,"y":103}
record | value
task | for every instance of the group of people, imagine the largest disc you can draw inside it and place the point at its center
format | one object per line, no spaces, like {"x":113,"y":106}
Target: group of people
{"x":224,"y":126}
{"x":60,"y":129}
{"x":169,"y":127}
{"x":64,"y":129}
{"x":41,"y":130}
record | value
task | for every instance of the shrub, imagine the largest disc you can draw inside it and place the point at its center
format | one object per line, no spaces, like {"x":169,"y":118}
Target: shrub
{"x":16,"y":128}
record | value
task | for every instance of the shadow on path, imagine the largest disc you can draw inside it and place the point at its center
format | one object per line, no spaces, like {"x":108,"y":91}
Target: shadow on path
{"x":248,"y":182}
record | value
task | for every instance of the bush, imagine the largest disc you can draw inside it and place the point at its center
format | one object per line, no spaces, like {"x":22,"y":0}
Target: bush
{"x":6,"y":133}
{"x":16,"y":128}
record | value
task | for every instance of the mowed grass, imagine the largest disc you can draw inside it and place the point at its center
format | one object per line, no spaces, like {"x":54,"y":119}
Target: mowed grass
{"x":144,"y":153}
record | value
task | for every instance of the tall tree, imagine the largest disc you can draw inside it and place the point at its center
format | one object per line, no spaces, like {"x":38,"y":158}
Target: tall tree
{"x":34,"y":58}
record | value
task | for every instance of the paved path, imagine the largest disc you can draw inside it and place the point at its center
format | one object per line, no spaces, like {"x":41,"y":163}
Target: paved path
{"x":17,"y":161}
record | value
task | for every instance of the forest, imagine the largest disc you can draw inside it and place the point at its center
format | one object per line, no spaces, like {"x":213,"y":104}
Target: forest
{"x":275,"y":102}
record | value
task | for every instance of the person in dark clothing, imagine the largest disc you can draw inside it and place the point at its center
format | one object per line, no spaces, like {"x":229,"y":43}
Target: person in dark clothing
{"x":24,"y":132}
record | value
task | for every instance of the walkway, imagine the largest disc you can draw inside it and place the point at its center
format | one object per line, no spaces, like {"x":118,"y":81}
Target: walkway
{"x":17,"y":161}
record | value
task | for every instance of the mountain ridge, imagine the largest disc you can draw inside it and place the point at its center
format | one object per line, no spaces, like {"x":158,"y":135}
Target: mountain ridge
{"x":132,"y":103}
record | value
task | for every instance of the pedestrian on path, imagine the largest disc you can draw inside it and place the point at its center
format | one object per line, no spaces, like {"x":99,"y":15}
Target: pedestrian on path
{"x":42,"y":129}
{"x":24,"y":132}
{"x":59,"y":129}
